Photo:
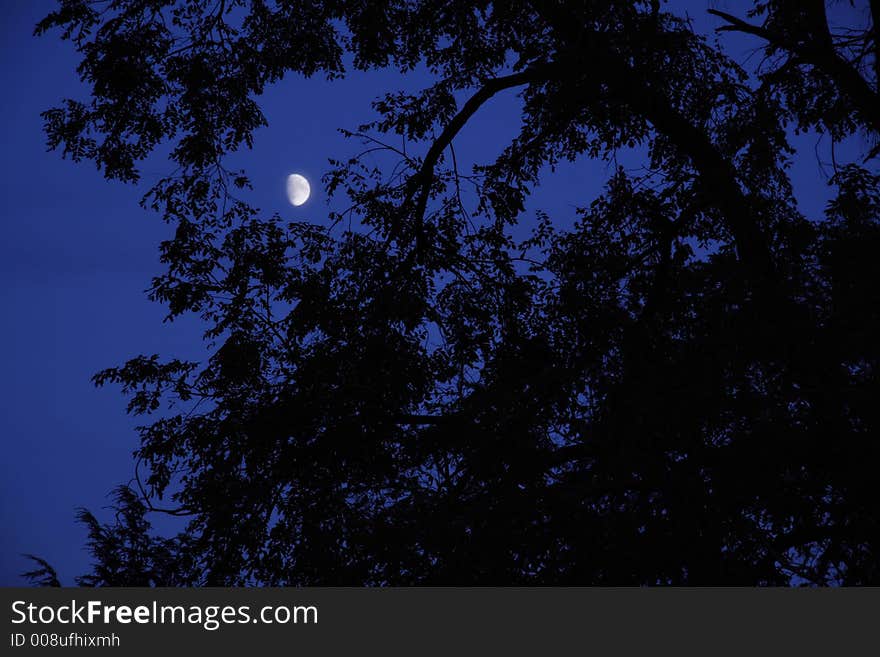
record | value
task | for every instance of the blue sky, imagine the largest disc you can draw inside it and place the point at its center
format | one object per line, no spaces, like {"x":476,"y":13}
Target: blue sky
{"x":77,"y":253}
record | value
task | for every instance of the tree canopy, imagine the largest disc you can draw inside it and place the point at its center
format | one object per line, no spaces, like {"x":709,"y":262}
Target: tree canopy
{"x":679,"y":387}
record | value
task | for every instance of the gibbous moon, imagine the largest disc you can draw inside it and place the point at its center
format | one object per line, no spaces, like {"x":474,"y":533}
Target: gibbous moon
{"x":298,"y":189}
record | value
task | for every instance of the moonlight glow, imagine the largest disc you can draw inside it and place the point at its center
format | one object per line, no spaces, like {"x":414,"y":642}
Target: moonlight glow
{"x":298,"y":189}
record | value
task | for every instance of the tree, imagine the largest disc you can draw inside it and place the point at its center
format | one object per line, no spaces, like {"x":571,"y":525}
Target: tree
{"x":680,"y":388}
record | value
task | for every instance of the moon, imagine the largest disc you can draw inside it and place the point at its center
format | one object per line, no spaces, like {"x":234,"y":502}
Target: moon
{"x":298,"y":189}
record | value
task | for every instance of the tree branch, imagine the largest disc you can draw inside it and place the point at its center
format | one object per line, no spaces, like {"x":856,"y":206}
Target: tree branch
{"x":421,"y":181}
{"x":616,"y":75}
{"x":819,"y":53}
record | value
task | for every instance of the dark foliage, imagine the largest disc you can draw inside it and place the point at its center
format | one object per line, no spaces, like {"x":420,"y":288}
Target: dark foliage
{"x":679,"y":387}
{"x":44,"y":574}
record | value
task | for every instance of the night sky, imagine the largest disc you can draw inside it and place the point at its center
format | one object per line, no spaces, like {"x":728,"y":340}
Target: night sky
{"x":77,"y":253}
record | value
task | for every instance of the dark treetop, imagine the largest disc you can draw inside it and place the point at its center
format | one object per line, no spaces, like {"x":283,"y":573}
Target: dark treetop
{"x":434,"y":387}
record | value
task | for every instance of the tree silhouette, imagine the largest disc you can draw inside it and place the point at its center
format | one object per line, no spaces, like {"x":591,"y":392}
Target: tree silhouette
{"x":681,"y":387}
